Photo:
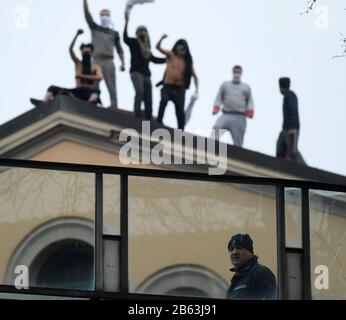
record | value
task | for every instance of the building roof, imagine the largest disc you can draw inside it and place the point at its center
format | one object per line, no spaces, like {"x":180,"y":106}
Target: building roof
{"x":101,"y":126}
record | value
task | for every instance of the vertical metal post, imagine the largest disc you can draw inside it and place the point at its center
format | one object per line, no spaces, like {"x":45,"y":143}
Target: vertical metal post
{"x":306,"y":244}
{"x":124,"y":249}
{"x":281,"y":243}
{"x":99,"y":233}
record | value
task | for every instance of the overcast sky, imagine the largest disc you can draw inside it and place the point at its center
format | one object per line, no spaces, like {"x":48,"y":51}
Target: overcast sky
{"x":269,"y":38}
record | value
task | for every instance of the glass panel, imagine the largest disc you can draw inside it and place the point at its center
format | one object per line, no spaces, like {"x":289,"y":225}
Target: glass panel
{"x":328,"y":244}
{"x":293,"y":212}
{"x":111,"y":261}
{"x":111,"y":204}
{"x":295,"y":275}
{"x":47,"y":223}
{"x":179,"y":233}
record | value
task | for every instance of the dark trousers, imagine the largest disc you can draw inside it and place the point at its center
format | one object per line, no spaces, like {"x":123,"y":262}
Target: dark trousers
{"x":177,"y":96}
{"x":82,"y":93}
{"x":143,"y":88}
{"x":287,"y":146}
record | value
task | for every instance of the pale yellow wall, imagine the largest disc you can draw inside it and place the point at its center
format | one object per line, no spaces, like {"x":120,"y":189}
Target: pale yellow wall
{"x":327,"y":245}
{"x":328,"y":248}
{"x":170,"y":222}
{"x":31,"y":198}
{"x":72,"y":152}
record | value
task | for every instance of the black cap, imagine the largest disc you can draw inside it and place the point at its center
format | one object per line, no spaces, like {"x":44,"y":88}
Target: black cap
{"x":242,"y":240}
{"x":285,"y":83}
{"x":88,"y":45}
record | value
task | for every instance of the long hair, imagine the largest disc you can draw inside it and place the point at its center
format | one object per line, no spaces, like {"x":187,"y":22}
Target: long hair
{"x":188,"y":61}
{"x":144,"y":45}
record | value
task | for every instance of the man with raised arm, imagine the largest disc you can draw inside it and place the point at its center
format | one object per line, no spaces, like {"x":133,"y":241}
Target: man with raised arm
{"x":87,"y":74}
{"x":141,"y":56}
{"x":104,"y":39}
{"x":177,"y":79}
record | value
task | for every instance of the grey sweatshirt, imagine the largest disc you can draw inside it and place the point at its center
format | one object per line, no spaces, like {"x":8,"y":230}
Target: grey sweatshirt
{"x":235,"y":97}
{"x":104,"y":40}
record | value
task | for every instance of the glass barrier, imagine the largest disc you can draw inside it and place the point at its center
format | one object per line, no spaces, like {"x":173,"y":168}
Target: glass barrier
{"x":47,"y":221}
{"x":111,"y":205}
{"x":179,"y":233}
{"x":328,"y":244}
{"x":293,"y":214}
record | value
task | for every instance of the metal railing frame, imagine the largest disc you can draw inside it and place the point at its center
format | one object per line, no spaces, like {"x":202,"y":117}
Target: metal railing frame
{"x":125,"y":174}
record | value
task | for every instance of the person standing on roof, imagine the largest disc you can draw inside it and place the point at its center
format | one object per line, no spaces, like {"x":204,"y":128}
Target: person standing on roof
{"x":177,"y":79}
{"x":104,"y":39}
{"x":235,"y":99}
{"x":141,"y":56}
{"x":287,"y":144}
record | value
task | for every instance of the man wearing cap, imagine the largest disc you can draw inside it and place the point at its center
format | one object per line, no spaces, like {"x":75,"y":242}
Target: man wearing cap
{"x":252,"y":281}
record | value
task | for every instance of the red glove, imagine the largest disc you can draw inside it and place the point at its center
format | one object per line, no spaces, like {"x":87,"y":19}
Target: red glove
{"x":250,"y":113}
{"x":216,"y":109}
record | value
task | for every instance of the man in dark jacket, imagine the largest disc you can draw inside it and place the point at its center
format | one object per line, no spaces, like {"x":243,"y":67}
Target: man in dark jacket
{"x":287,"y":144}
{"x":252,"y":281}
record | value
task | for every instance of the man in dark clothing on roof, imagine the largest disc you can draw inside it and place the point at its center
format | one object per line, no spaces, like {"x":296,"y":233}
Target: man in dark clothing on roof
{"x":287,"y":144}
{"x":141,"y":56}
{"x":252,"y":281}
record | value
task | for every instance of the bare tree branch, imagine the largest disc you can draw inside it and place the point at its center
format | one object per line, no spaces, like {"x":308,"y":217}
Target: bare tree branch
{"x":310,"y":6}
{"x":343,"y":46}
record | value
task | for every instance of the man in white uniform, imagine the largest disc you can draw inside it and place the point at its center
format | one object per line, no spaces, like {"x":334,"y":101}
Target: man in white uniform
{"x":235,"y":101}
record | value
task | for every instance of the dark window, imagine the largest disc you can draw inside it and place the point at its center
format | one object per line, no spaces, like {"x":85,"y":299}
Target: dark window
{"x":67,"y":264}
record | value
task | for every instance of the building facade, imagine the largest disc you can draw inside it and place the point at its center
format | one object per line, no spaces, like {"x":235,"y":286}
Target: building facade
{"x":178,"y":229}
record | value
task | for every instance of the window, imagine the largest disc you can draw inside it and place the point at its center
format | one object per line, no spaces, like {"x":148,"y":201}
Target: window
{"x":177,"y":222}
{"x":47,"y":223}
{"x":328,"y":244}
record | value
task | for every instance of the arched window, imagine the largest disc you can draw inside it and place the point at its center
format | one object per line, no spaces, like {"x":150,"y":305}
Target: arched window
{"x":58,"y":254}
{"x":185,"y":280}
{"x":64,"y":264}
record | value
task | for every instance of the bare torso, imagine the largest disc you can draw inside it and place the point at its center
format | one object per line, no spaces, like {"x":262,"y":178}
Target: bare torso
{"x":83,"y":82}
{"x":175,"y":71}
